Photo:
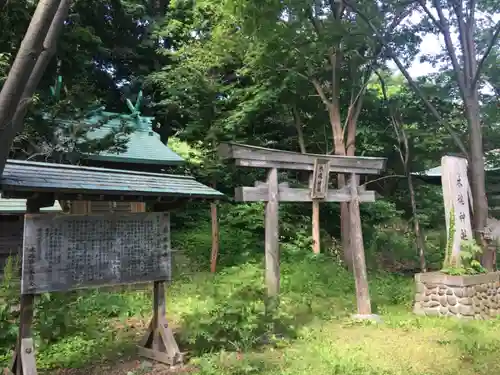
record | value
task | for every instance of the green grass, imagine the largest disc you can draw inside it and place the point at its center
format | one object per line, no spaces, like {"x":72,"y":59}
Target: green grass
{"x":319,"y":296}
{"x":220,"y":320}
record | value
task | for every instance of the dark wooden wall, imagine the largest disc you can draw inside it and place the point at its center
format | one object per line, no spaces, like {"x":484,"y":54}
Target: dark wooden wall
{"x":11,"y":237}
{"x":96,"y":207}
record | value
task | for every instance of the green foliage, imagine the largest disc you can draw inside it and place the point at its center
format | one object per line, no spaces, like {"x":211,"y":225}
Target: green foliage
{"x":67,"y":326}
{"x":221,"y":320}
{"x":450,"y":239}
{"x":468,"y":263}
{"x":238,"y":70}
{"x":9,"y":301}
{"x":238,"y":319}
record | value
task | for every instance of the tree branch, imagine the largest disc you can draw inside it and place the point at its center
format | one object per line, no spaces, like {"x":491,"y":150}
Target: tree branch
{"x":398,"y":129}
{"x":427,"y":11}
{"x":410,"y":80}
{"x":311,"y":18}
{"x":467,"y":52}
{"x":491,"y":44}
{"x":337,"y":8}
{"x":49,"y":49}
{"x":321,"y":93}
{"x":298,"y":127}
{"x":451,"y":48}
{"x":472,"y":9}
{"x":25,"y":60}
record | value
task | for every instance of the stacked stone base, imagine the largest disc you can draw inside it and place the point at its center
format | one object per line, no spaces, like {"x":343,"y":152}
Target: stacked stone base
{"x":465,"y":297}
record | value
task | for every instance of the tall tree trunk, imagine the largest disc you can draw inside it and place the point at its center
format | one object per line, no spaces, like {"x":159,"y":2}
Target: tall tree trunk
{"x":315,"y":203}
{"x":351,"y":232}
{"x":345,"y":226}
{"x":350,"y":150}
{"x":477,"y":182}
{"x":49,"y":50}
{"x":215,"y":236}
{"x":21,"y":70}
{"x":404,"y":155}
{"x":416,"y":225}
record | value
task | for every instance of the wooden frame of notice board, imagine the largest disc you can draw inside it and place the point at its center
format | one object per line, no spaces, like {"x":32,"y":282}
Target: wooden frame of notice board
{"x":69,"y":252}
{"x":41,"y":184}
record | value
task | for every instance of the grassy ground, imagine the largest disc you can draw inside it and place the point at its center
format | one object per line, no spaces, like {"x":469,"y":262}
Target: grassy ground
{"x":220,"y":321}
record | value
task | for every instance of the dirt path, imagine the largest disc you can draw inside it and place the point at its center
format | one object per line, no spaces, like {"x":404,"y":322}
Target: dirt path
{"x":127,"y":367}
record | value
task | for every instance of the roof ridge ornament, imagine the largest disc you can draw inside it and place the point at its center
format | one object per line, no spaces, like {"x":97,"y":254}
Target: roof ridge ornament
{"x":135,"y":108}
{"x":55,"y":90}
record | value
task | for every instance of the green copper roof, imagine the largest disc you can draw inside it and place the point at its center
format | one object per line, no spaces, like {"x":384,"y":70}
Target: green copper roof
{"x":434,"y":174}
{"x":18,"y":206}
{"x":144,"y":145}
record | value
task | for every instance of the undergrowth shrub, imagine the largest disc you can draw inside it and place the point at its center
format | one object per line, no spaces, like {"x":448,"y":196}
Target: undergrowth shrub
{"x":9,"y":302}
{"x":392,"y":247}
{"x":237,"y":318}
{"x":73,"y":317}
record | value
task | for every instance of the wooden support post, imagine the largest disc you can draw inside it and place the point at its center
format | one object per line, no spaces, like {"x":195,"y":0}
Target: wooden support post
{"x":358,"y":251}
{"x":315,"y":226}
{"x":314,"y":218}
{"x":272,"y":236}
{"x":24,"y":362}
{"x":159,"y":342}
{"x":215,"y":237}
{"x":159,"y":312}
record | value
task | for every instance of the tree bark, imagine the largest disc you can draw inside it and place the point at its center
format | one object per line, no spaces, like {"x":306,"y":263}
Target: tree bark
{"x":215,"y":236}
{"x":21,"y":71}
{"x":416,"y":225}
{"x":315,"y":203}
{"x":49,"y":50}
{"x":339,"y":149}
{"x":405,"y":160}
{"x":477,"y":183}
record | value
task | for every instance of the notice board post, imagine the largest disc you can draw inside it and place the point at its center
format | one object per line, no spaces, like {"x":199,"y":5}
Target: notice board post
{"x":70,"y":252}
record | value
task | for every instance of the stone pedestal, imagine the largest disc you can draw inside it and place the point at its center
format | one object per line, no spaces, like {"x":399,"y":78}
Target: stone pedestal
{"x":465,"y":297}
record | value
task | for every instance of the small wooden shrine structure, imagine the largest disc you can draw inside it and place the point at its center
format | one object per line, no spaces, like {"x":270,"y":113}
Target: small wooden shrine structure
{"x":11,"y":226}
{"x":272,"y":192}
{"x":63,"y":252}
{"x":144,"y":151}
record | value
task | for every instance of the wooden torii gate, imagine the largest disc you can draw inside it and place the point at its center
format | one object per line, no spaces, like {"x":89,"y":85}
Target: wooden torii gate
{"x":272,"y":192}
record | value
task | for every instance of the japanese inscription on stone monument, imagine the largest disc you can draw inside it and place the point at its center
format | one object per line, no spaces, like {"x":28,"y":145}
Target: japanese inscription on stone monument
{"x":66,"y":252}
{"x":456,"y":199}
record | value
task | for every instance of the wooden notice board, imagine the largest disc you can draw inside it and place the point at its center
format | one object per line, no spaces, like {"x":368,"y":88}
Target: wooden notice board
{"x":66,"y":252}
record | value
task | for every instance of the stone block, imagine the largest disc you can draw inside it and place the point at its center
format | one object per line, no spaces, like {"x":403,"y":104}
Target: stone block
{"x":420,"y":288}
{"x":465,"y":297}
{"x":452,"y":300}
{"x":465,"y":310}
{"x":465,"y":301}
{"x":432,"y":312}
{"x":453,"y":309}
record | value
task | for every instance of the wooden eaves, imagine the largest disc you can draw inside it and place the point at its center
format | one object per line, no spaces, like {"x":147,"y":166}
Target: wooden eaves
{"x":33,"y":180}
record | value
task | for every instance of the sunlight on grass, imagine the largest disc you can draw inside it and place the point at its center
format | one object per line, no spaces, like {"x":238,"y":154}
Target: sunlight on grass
{"x":220,"y":319}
